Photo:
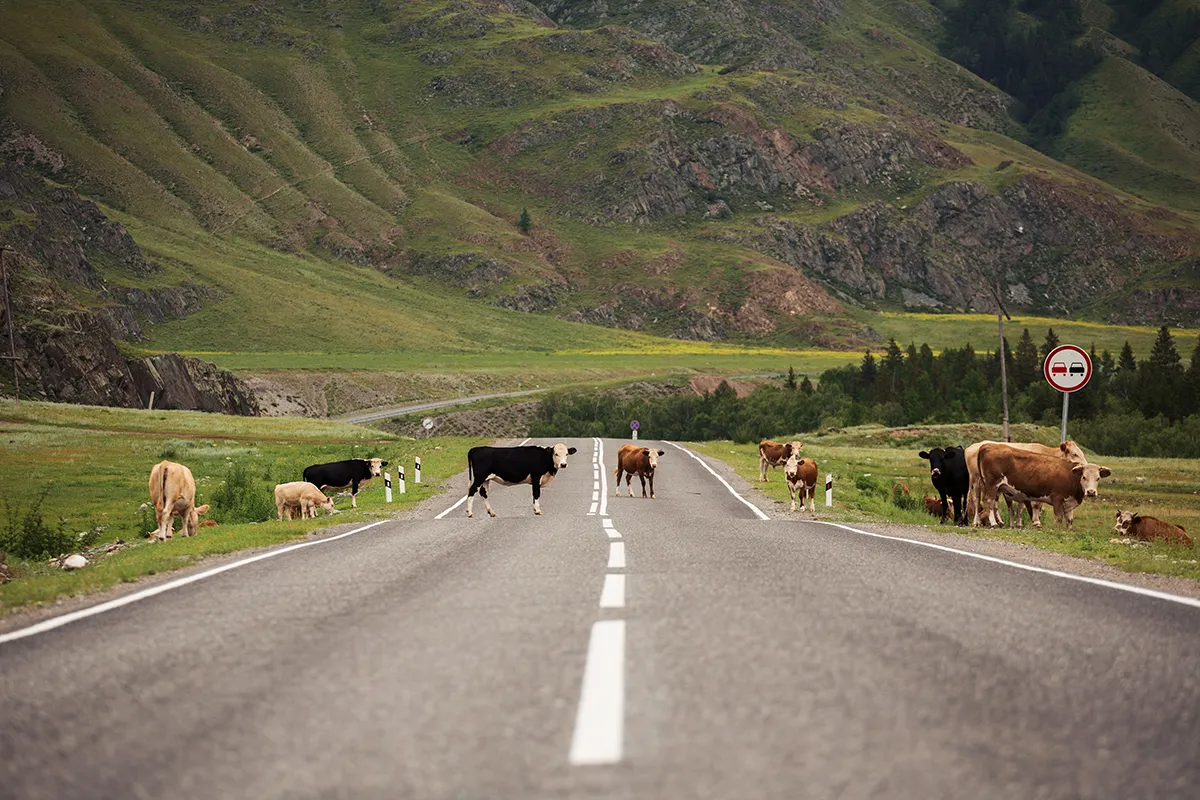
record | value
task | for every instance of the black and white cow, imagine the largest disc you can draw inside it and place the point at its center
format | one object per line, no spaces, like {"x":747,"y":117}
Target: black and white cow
{"x":948,"y":471}
{"x":351,"y":473}
{"x":511,"y":466}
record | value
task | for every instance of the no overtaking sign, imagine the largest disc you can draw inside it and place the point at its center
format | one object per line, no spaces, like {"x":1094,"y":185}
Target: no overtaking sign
{"x":1068,"y":368}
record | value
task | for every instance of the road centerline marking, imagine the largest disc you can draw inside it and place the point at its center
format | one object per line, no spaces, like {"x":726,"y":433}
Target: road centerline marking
{"x":608,"y":523}
{"x":757,"y":511}
{"x":616,"y":555}
{"x":613,"y":593}
{"x":599,"y":723}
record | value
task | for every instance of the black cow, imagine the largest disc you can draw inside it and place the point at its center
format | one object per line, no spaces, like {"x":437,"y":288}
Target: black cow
{"x":948,"y":469}
{"x":511,"y":466}
{"x":352,"y":473}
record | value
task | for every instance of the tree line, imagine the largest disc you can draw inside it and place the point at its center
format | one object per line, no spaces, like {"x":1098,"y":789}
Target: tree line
{"x":1147,"y":407}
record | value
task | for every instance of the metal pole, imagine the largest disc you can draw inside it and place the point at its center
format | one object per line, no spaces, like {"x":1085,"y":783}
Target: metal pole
{"x":1066,"y":397}
{"x":12,"y":347}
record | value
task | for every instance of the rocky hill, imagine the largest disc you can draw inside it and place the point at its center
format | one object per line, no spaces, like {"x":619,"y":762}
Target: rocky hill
{"x":746,"y":170}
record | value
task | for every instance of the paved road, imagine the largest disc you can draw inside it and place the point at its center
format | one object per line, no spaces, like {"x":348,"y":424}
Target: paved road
{"x":461,"y":658}
{"x":396,"y":411}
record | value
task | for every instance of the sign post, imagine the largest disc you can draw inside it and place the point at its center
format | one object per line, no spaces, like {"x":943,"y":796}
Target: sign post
{"x":1068,"y":369}
{"x":401,"y":471}
{"x":633,"y":426}
{"x":387,"y":487}
{"x":417,"y":477}
{"x":828,"y":491}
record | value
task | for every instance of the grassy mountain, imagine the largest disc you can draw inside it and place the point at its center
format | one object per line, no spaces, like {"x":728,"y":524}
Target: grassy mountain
{"x":348,"y":176}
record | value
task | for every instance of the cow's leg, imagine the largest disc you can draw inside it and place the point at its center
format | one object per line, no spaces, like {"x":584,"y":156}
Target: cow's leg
{"x":471,"y":490}
{"x":960,"y":509}
{"x":945,"y":507}
{"x":487,"y":503}
{"x":354,"y":494}
{"x":619,"y":473}
{"x":762,"y":469}
{"x":537,"y":493}
{"x":279,"y":508}
{"x":812,"y":497}
{"x":1035,"y":515}
{"x":792,"y":493}
{"x":629,"y":483}
{"x":652,"y":497}
{"x":642,"y":477}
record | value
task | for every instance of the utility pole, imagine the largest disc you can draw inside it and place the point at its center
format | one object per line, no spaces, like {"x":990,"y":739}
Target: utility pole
{"x":1001,"y":313}
{"x":12,"y":347}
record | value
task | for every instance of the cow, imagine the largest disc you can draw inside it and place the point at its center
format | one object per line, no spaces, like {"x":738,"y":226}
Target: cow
{"x":948,"y":470}
{"x":774,"y":454}
{"x":641,"y":461}
{"x":1026,"y":476}
{"x":173,"y":494}
{"x":801,"y":476}
{"x":1136,"y":526}
{"x":512,"y":466}
{"x":301,"y":496}
{"x":351,"y":474}
{"x":934,"y":507}
{"x":1068,"y":450}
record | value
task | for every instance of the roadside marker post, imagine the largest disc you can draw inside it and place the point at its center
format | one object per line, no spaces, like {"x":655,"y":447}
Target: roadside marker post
{"x":828,"y":491}
{"x":387,"y":487}
{"x":402,"y":479}
{"x":417,"y":477}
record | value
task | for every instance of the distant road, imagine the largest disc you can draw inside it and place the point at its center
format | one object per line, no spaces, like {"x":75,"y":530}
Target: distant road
{"x":395,"y":411}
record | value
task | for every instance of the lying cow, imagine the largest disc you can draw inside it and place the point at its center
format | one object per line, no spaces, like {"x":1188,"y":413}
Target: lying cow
{"x":1136,"y":526}
{"x":774,"y":454}
{"x":1068,"y":450}
{"x":641,"y":461}
{"x":1025,"y":476}
{"x":173,"y":494}
{"x":801,"y":476}
{"x":511,"y":466}
{"x":301,"y":496}
{"x":351,"y":474}
{"x":934,"y":507}
{"x":948,"y":471}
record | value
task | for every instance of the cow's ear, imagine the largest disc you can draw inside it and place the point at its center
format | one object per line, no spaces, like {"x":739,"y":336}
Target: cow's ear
{"x":662,"y":452}
{"x":923,"y":454}
{"x":646,"y":451}
{"x":202,"y":509}
{"x":1105,"y":472}
{"x":570,"y":451}
{"x":383,"y":463}
{"x":1077,"y":469}
{"x":949,"y":454}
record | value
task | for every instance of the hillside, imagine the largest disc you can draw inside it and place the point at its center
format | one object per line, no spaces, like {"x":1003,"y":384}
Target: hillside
{"x":348,"y":176}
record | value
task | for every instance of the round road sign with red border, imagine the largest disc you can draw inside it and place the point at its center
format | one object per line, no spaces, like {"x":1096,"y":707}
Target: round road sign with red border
{"x":1068,"y":368}
{"x":633,"y":426}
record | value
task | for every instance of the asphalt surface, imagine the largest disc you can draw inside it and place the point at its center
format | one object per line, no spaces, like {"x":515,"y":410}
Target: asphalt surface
{"x":456,"y":658}
{"x":395,"y":411}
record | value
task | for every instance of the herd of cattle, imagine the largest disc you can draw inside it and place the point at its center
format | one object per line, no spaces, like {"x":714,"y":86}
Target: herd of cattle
{"x":970,"y":481}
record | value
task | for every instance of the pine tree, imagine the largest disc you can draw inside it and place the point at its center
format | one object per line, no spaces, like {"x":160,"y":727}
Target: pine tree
{"x":1127,"y":362}
{"x":1026,"y":363}
{"x":1194,"y":381}
{"x":524,"y":224}
{"x":1050,"y":343}
{"x":868,"y":372}
{"x":790,"y":382}
{"x":806,"y":386}
{"x":1161,"y":378}
{"x":893,"y":367}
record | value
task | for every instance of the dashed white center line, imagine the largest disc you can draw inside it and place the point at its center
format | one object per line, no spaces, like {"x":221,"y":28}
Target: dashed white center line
{"x":613,"y":593}
{"x":599,"y":725}
{"x":606,"y":523}
{"x":613,"y":533}
{"x":592,"y":510}
{"x":616,"y":555}
{"x":595,"y":495}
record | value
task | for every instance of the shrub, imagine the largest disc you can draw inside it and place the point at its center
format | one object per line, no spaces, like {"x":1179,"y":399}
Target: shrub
{"x":241,"y":497}
{"x":26,"y":534}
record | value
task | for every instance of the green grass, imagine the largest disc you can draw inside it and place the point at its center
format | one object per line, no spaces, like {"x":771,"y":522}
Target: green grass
{"x":95,"y":463}
{"x":867,"y":461}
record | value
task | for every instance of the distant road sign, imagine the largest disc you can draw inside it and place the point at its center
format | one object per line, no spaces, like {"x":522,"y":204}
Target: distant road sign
{"x":635,"y":425}
{"x":427,"y":423}
{"x":1068,"y":368}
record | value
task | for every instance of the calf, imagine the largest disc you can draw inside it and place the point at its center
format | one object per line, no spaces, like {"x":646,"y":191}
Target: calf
{"x":948,"y":471}
{"x":511,"y":466}
{"x":774,"y":454}
{"x":1136,"y":526}
{"x":1026,"y":476}
{"x":350,"y":474}
{"x":801,"y":476}
{"x":935,"y":507}
{"x":641,"y":461}
{"x":1068,"y":450}
{"x":173,"y":494}
{"x":301,"y":496}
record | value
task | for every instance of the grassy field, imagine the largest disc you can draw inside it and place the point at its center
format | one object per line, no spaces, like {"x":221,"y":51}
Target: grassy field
{"x":93,"y":464}
{"x":866,"y":462}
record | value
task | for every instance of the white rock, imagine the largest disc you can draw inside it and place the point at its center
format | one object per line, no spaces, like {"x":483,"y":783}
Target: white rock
{"x":74,"y":562}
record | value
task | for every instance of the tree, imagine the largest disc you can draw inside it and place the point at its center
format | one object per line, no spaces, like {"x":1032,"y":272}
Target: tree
{"x":1127,"y":363}
{"x":806,"y":386}
{"x":1026,"y":364}
{"x":893,"y":367}
{"x":524,"y":224}
{"x":1161,"y":378}
{"x":1194,"y":380}
{"x":1050,"y":343}
{"x":790,"y":382}
{"x":867,"y":373}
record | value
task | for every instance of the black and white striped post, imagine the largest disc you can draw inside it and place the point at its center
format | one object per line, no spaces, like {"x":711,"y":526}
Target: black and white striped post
{"x":387,"y":487}
{"x":417,"y":477}
{"x":401,"y":476}
{"x":828,"y":490}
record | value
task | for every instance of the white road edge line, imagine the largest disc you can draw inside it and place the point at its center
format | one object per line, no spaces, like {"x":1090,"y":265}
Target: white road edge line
{"x":757,"y":511}
{"x":603,"y":478}
{"x":461,"y":500}
{"x":599,"y":734}
{"x":84,"y":613}
{"x":1124,"y":587}
{"x":613,"y":593}
{"x":525,"y":442}
{"x":616,"y":555}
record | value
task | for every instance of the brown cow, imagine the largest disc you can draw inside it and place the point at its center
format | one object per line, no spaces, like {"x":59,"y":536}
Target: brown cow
{"x":1068,"y":450}
{"x":1026,"y":476}
{"x":1136,"y":526}
{"x":801,"y":475}
{"x":774,"y":454}
{"x":641,"y":461}
{"x":301,"y":496}
{"x":173,"y":494}
{"x":934,"y":506}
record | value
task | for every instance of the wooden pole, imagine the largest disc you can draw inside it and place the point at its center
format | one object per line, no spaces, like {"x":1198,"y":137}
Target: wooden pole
{"x":1001,"y":313}
{"x":12,"y":347}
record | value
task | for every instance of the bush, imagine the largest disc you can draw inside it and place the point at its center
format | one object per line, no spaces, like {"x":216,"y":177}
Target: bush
{"x":26,"y":534}
{"x":905,"y":501}
{"x":242,"y":498}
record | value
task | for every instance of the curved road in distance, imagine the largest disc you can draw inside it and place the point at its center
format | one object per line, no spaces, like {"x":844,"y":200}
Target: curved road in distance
{"x":676,"y":648}
{"x":385,"y":413}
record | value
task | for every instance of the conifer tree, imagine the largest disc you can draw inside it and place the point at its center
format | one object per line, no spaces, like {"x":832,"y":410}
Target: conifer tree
{"x":790,"y":382}
{"x":1050,"y":343}
{"x":524,"y":224}
{"x":1026,"y":362}
{"x":806,"y":386}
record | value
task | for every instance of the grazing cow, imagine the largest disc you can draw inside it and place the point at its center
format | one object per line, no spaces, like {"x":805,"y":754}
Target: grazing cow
{"x":801,"y":475}
{"x":934,"y":507}
{"x":1136,"y":526}
{"x":1026,"y":476}
{"x":301,"y":496}
{"x":511,"y":466}
{"x":774,"y":454}
{"x":173,"y":494}
{"x":1068,"y":450}
{"x":350,"y":474}
{"x":641,"y":461}
{"x":948,"y":470}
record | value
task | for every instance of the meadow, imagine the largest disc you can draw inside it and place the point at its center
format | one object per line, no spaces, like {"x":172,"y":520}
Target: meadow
{"x":867,"y":461}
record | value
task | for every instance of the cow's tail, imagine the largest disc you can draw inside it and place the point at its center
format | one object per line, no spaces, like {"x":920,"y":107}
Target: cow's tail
{"x":167,"y":502}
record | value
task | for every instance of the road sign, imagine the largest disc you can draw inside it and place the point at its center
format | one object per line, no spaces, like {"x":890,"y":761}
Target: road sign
{"x":635,"y":425}
{"x":1068,"y":368}
{"x":427,"y":423}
